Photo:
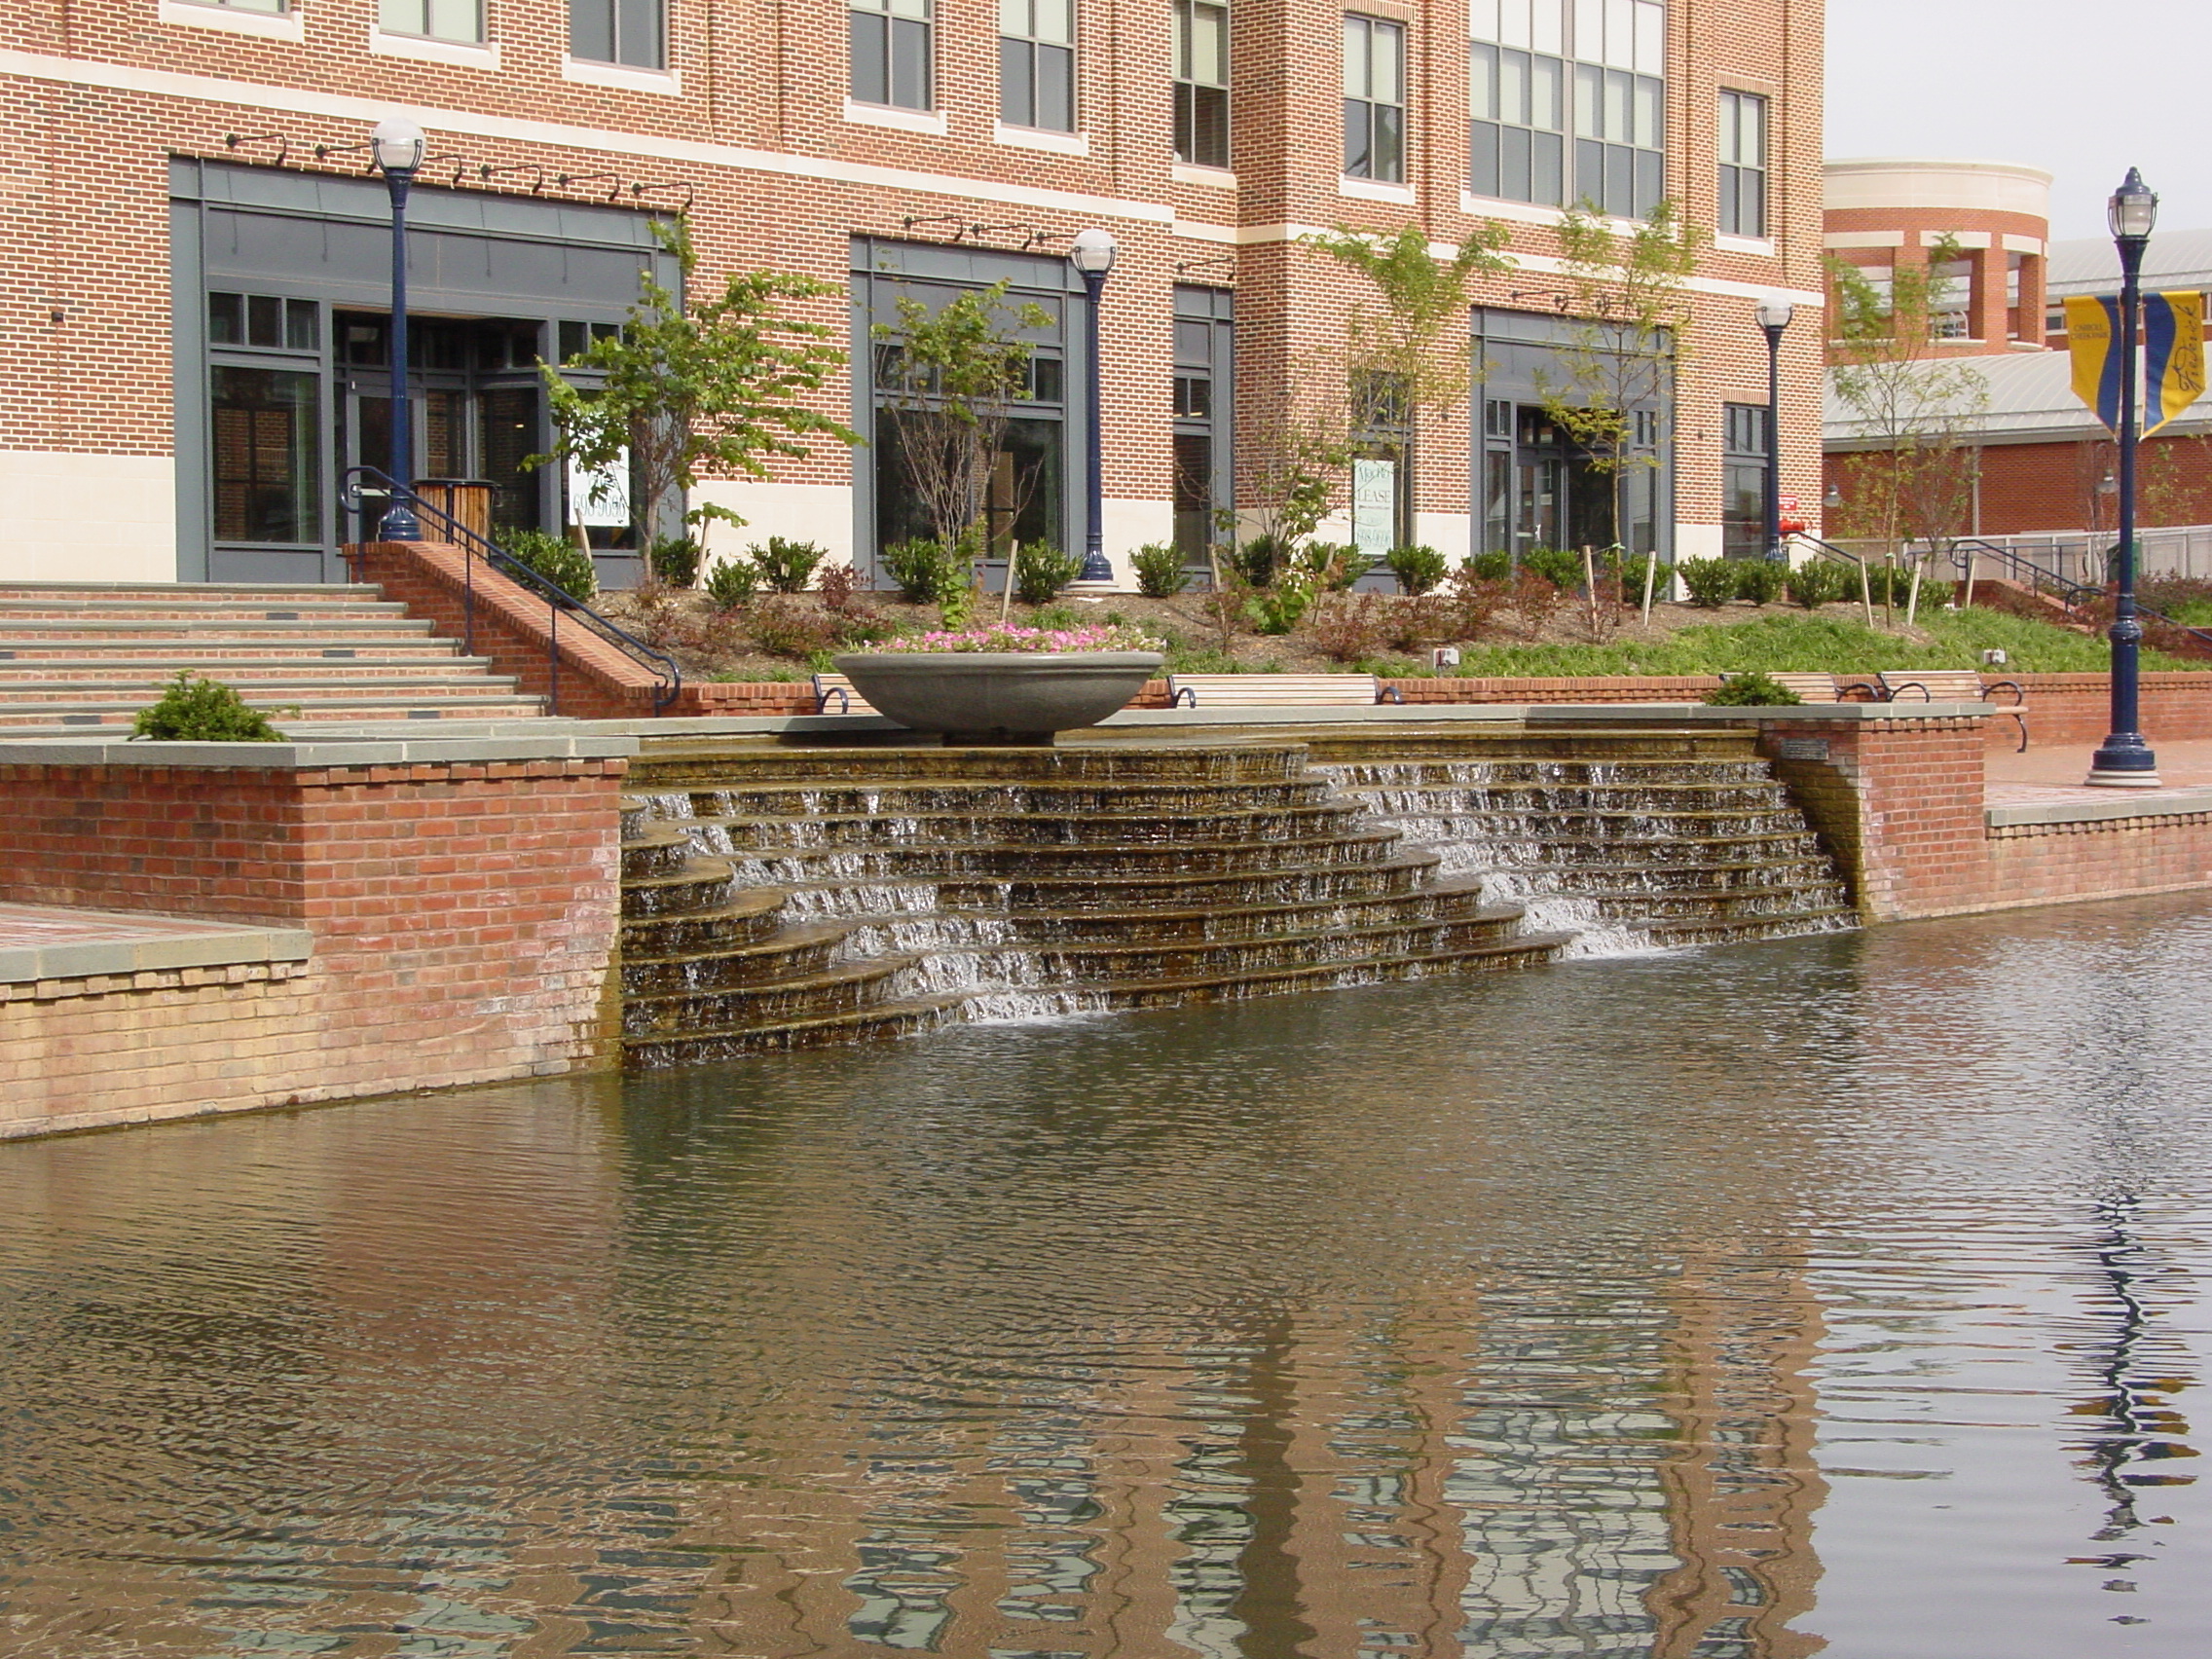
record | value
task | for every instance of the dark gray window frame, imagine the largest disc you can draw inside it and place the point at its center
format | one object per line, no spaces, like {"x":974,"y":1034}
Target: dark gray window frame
{"x":630,"y":33}
{"x":891,"y":59}
{"x":1204,"y":348}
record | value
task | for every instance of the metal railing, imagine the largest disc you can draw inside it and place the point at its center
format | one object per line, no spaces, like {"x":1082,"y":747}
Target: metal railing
{"x":2072,"y":592}
{"x":668,"y":675}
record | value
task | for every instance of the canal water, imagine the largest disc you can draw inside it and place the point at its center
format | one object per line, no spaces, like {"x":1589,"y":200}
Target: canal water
{"x":1838,"y":1295}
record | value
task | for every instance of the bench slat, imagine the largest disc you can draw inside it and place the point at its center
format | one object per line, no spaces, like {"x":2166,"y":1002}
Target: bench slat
{"x":1254,"y":690}
{"x":827,"y":700}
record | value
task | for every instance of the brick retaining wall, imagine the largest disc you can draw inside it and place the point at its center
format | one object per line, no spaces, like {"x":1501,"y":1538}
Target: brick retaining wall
{"x":462,"y":913}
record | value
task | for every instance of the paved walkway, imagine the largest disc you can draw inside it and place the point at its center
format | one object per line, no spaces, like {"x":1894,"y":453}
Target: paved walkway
{"x":2054,"y":771}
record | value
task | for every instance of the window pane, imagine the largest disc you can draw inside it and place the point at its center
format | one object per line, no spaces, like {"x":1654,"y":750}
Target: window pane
{"x":1482,"y":20}
{"x":1356,"y":138}
{"x":636,"y":29}
{"x":1590,"y":30}
{"x":871,"y":62}
{"x":1620,"y":35}
{"x":1545,"y":74}
{"x":226,"y":319}
{"x":263,"y":452}
{"x":1056,"y":22}
{"x":1547,"y":181}
{"x":1620,"y":181}
{"x":1017,"y":93}
{"x":1650,"y":39}
{"x":1513,"y":88}
{"x":1482,"y":82}
{"x":1617,"y":124}
{"x":1647,"y":113}
{"x":1055,"y":88}
{"x":591,"y":29}
{"x":1389,"y":143}
{"x":1513,"y":23}
{"x":1752,"y":212}
{"x":1014,"y":16}
{"x":1589,"y":101}
{"x":301,"y":333}
{"x":1481,"y":145}
{"x":402,"y":16}
{"x":918,"y":9}
{"x":1210,"y":46}
{"x":909,"y":64}
{"x":1356,"y":58}
{"x":1210,"y":127}
{"x":1589,"y":172}
{"x":1752,"y":130}
{"x":452,"y":20}
{"x":1387,"y":60}
{"x":264,"y":320}
{"x":1545,"y":27}
{"x":1651,"y":181}
{"x":1513,"y":179}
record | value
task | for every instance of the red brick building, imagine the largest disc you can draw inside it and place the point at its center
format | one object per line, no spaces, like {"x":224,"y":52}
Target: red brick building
{"x":197,"y":260}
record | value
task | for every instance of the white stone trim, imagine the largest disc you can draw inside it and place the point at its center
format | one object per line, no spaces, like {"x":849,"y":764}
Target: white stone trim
{"x":928,"y":120}
{"x":2023,"y":245}
{"x":426,"y":48}
{"x":1863,"y":239}
{"x":336,"y":106}
{"x":1762,"y":246}
{"x":198,"y":14}
{"x":1964,"y":238}
{"x":67,"y":516}
{"x":1041,"y":138}
{"x":1212,"y":179}
{"x":622,"y":77}
{"x":1370,"y":190}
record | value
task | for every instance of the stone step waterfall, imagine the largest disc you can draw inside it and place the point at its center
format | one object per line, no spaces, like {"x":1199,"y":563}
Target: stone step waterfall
{"x":777,"y":897}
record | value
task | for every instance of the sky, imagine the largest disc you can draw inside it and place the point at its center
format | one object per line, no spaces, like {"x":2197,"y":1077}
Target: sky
{"x":2084,"y":92}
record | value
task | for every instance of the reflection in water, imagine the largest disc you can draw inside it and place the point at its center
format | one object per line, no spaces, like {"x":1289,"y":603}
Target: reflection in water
{"x":1725,"y":1306}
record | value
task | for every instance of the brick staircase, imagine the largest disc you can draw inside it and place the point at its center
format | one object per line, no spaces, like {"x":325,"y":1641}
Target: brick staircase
{"x":83,"y":659}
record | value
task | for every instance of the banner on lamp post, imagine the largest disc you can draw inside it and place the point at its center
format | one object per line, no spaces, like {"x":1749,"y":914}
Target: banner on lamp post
{"x":2092,"y":341}
{"x":2174,"y":356}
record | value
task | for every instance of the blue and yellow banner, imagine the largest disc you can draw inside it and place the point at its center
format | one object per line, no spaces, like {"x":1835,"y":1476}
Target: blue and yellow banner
{"x":2174,"y":356}
{"x":2092,"y":341}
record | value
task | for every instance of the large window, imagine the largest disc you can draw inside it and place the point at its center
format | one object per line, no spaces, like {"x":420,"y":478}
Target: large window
{"x":1742,"y":165}
{"x":439,"y":20}
{"x":633,"y":32}
{"x":1547,"y":71}
{"x":1375,"y":100}
{"x":891,"y":53}
{"x":1036,"y":63}
{"x":1743,"y":480}
{"x":267,"y":469}
{"x":1202,"y":83}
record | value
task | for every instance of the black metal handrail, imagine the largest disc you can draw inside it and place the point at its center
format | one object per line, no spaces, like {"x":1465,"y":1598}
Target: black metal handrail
{"x":2072,"y":592}
{"x":668,"y":674}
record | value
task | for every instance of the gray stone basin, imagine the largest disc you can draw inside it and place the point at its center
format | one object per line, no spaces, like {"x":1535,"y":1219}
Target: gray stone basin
{"x":999,"y":696}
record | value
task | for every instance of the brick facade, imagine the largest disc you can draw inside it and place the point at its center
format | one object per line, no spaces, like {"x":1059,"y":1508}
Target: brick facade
{"x":751,"y":124}
{"x":463,"y":917}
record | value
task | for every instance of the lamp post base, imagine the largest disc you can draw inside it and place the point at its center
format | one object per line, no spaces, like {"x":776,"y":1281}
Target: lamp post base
{"x":2125,"y":779}
{"x":2123,"y":761}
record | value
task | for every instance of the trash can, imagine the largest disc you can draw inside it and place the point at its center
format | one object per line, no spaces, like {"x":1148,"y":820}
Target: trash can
{"x":467,"y":501}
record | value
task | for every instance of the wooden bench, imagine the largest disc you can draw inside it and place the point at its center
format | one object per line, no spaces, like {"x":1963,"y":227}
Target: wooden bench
{"x":1277,"y":690}
{"x":1826,"y":688}
{"x":1954,"y":685}
{"x":837,"y":689}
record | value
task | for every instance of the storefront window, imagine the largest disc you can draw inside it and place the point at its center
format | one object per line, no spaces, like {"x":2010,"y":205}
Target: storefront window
{"x":265,"y":456}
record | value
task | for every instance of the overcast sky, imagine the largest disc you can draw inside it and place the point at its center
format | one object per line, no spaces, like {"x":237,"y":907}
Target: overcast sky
{"x":2082,"y":91}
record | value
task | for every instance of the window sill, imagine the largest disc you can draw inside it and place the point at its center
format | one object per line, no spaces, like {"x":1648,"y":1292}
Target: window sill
{"x":1764,"y":246}
{"x":1041,"y":138}
{"x":282,"y":25}
{"x":1213,"y":178}
{"x":460,"y":53}
{"x":1531,"y":212}
{"x":624,"y":77}
{"x":1373,"y":190}
{"x":928,"y":120}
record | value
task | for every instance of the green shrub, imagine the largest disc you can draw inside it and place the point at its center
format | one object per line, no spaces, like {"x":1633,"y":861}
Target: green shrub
{"x":1819,"y":582}
{"x":1710,"y":583}
{"x":924,"y":571}
{"x":787,"y":567}
{"x":1561,"y":567}
{"x":1752,"y":690}
{"x":1041,"y":570}
{"x":1487,"y":567}
{"x":1258,"y":560}
{"x":555,"y":558}
{"x":194,"y":708}
{"x":1159,"y":566}
{"x":1760,"y":580}
{"x":1058,"y":616}
{"x":732,"y":582}
{"x":784,"y":628}
{"x":1330,"y":567}
{"x":1416,"y":568}
{"x":675,"y":559}
{"x":1277,"y":610}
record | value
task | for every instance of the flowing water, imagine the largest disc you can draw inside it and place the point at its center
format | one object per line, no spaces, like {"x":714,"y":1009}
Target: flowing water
{"x":1835,"y":1294}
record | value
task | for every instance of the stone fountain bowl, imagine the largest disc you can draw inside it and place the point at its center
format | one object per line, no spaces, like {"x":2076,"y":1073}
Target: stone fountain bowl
{"x":991,"y":697}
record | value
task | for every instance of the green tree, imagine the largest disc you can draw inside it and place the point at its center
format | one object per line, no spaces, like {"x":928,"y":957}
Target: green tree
{"x":678,"y":394}
{"x":1418,"y":341}
{"x":1625,"y":292}
{"x":952,"y":377}
{"x":1912,"y":410}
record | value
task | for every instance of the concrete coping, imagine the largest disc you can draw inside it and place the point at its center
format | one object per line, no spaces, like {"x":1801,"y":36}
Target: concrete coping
{"x":1355,"y":713}
{"x":2120,"y":804}
{"x":145,"y":945}
{"x":564,"y":743}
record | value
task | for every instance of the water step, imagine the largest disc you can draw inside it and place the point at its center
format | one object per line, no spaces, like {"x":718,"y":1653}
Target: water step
{"x":954,"y":795}
{"x":1073,"y":831}
{"x":846,"y":990}
{"x":744,"y":919}
{"x":1047,"y":861}
{"x":788,"y":953}
{"x":706,"y":1043}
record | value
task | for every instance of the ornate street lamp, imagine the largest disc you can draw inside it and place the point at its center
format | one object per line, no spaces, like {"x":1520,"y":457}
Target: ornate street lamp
{"x":1774,"y":317}
{"x":398,"y":144}
{"x":1092,"y":256}
{"x":2124,"y":759}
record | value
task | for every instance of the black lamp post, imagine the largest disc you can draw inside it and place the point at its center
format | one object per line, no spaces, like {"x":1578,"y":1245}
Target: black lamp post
{"x":2125,"y":759}
{"x":399,"y":144}
{"x":1092,"y":256}
{"x":1774,"y":317}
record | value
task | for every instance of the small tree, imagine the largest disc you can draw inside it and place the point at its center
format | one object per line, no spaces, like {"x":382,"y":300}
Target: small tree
{"x":1625,"y":346}
{"x":952,"y":377}
{"x":1914,"y":409}
{"x":679,"y":394}
{"x":1418,"y":341}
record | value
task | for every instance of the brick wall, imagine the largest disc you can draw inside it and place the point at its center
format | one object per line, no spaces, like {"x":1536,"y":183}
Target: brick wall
{"x":463,"y":917}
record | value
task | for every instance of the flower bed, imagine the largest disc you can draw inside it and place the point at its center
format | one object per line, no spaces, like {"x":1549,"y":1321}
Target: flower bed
{"x":1099,"y":637}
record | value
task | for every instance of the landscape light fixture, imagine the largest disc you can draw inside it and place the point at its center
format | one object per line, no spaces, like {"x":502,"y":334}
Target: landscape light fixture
{"x":398,"y":146}
{"x":2125,"y":759}
{"x":1092,"y":256}
{"x":1773,"y":316}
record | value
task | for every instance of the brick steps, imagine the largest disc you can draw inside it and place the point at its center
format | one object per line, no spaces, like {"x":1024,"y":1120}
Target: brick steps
{"x":78,"y":659}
